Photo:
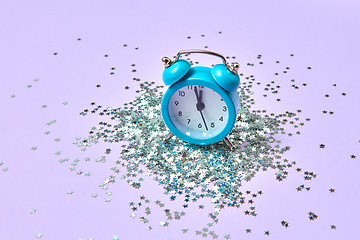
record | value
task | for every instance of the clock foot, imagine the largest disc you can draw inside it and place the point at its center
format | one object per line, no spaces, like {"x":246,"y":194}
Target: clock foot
{"x":230,"y":145}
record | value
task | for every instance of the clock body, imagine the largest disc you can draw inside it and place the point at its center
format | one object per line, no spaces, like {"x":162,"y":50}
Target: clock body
{"x":181,"y":115}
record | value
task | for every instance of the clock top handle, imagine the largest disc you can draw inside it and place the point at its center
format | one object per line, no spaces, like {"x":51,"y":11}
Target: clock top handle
{"x":233,"y":67}
{"x":200,"y":51}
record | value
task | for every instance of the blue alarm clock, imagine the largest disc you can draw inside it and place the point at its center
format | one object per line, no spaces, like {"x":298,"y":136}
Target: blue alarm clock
{"x":201,"y":104}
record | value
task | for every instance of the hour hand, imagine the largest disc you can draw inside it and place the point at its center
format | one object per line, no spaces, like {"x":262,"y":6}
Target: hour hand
{"x":197,"y":94}
{"x":199,"y":105}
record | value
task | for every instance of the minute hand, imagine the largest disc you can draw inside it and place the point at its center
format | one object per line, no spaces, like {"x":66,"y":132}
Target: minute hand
{"x":203,"y":120}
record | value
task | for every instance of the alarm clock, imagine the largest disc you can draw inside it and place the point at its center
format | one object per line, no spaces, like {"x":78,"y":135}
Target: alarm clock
{"x":201,"y":104}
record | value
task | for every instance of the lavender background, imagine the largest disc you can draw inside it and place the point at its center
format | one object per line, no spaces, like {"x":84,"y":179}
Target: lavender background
{"x":321,"y":34}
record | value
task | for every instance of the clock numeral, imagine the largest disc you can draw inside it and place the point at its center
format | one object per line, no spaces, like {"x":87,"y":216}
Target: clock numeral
{"x":180,"y":113}
{"x":182,"y":93}
{"x":221,"y":118}
{"x":188,"y":120}
{"x":191,"y":86}
{"x":212,"y":124}
{"x":199,"y":126}
{"x":222,"y":99}
{"x":176,"y":103}
{"x":224,"y":108}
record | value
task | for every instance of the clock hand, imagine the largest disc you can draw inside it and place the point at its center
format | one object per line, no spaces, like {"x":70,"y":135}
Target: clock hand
{"x":204,"y":120}
{"x":197,"y":95}
{"x":200,"y":105}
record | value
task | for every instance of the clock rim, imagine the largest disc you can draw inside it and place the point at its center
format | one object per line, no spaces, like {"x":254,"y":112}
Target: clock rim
{"x":199,"y":76}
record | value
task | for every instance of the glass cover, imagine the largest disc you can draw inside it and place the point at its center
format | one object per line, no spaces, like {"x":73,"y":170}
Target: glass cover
{"x":198,"y":111}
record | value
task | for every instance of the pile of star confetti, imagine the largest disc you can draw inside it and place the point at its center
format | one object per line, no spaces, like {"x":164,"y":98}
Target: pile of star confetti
{"x":193,"y":171}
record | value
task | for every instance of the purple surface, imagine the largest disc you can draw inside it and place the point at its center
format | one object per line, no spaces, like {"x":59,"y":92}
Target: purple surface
{"x":321,"y":34}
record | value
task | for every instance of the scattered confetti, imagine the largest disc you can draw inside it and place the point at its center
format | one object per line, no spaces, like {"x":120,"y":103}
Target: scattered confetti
{"x":285,"y":224}
{"x":312,"y":216}
{"x":188,"y":173}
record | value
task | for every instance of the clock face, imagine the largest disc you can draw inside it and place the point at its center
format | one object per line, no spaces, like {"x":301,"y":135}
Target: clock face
{"x":198,"y":111}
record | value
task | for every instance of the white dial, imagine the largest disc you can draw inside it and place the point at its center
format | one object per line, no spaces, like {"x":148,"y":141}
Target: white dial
{"x":198,"y":111}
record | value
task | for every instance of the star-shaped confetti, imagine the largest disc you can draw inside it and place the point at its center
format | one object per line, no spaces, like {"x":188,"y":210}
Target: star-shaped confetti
{"x":39,"y":235}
